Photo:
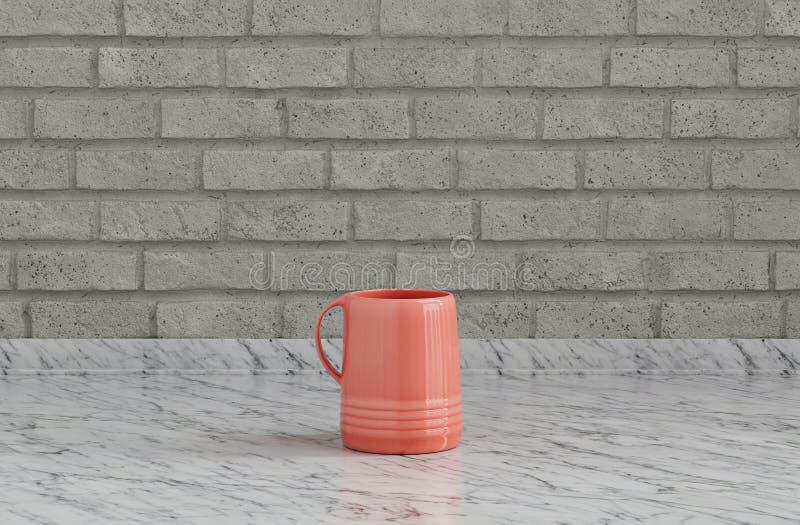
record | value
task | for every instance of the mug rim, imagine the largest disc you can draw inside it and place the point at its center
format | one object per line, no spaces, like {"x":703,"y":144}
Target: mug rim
{"x":401,"y":294}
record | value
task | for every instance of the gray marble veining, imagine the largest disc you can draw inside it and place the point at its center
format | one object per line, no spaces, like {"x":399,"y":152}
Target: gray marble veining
{"x":298,"y":355}
{"x":235,"y":449}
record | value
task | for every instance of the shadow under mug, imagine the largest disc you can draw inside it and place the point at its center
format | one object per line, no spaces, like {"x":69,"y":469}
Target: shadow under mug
{"x":400,"y":376}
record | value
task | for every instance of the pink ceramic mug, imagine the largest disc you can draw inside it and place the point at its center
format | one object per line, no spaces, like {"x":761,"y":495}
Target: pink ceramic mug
{"x":400,"y":375}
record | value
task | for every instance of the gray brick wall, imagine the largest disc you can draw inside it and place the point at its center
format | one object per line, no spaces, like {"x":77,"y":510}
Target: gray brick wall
{"x":569,"y":168}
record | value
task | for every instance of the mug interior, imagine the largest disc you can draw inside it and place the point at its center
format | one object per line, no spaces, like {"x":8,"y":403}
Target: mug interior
{"x":401,"y":293}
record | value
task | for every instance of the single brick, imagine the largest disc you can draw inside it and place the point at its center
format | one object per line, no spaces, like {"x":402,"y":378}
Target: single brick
{"x":390,"y":169}
{"x":568,"y":17}
{"x":756,"y":169}
{"x":443,"y":17}
{"x":573,"y":270}
{"x":793,"y":319}
{"x":46,"y":66}
{"x":782,"y":18}
{"x":159,"y":221}
{"x":219,"y":319}
{"x":410,"y":220}
{"x":690,"y":17}
{"x":212,"y":118}
{"x":709,"y":270}
{"x":263,"y":170}
{"x":516,"y":169}
{"x":348,"y":118}
{"x":544,"y":67}
{"x":11,"y":322}
{"x":76,"y":270}
{"x":548,"y":219}
{"x":271,"y":68}
{"x":34,"y":169}
{"x":331,"y":270}
{"x":774,"y":66}
{"x":200,"y":270}
{"x":787,"y":271}
{"x":13,"y":115}
{"x":47,"y":220}
{"x":476,"y":117}
{"x":767,"y":220}
{"x":185,"y":17}
{"x":595,"y":319}
{"x":62,"y":17}
{"x":455,"y":270}
{"x":5,"y":271}
{"x":670,"y":67}
{"x":645,"y":168}
{"x":712,"y":319}
{"x":669,"y":219}
{"x":416,"y":67}
{"x":157,"y":169}
{"x":321,"y":17}
{"x":148,"y":67}
{"x":97,"y":118}
{"x":493,"y":319}
{"x":730,"y":118}
{"x":288,"y":220}
{"x":299,"y":317}
{"x":90,"y":319}
{"x":603,"y":118}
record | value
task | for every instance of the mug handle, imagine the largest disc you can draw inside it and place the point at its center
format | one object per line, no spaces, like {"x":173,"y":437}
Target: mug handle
{"x":327,"y":364}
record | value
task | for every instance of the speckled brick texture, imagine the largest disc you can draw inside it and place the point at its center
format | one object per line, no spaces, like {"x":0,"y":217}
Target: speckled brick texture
{"x":568,"y":168}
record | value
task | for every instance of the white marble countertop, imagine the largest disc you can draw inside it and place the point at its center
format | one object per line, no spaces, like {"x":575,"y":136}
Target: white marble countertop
{"x":265,"y":449}
{"x":526,"y":356}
